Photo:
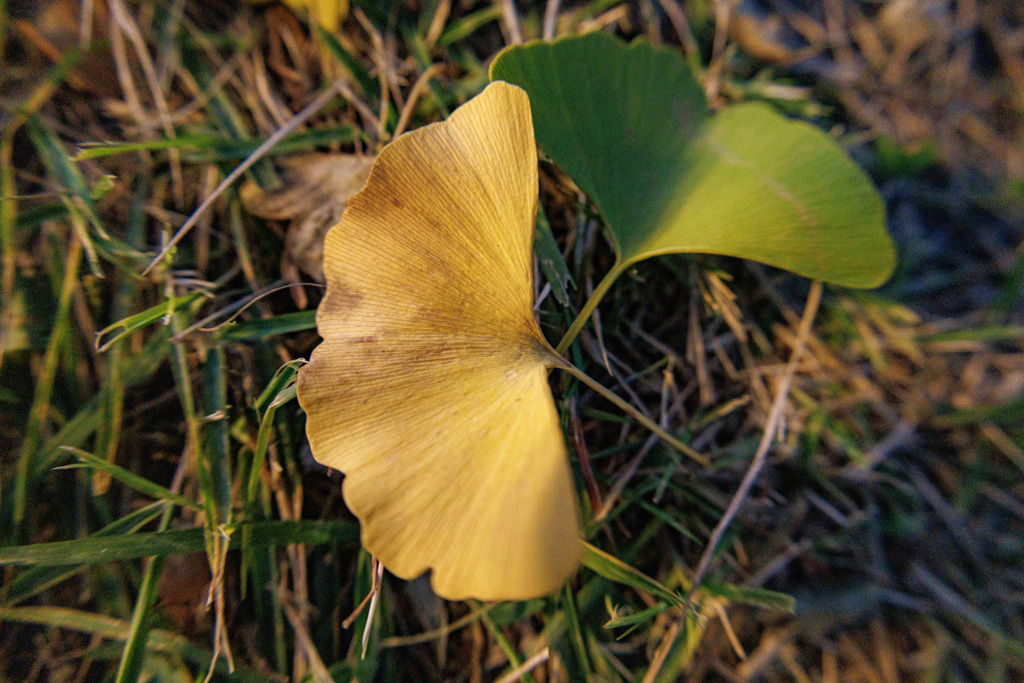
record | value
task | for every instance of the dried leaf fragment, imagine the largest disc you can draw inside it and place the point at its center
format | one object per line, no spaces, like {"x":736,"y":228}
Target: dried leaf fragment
{"x":328,"y":14}
{"x":430,"y":389}
{"x":313,"y":196}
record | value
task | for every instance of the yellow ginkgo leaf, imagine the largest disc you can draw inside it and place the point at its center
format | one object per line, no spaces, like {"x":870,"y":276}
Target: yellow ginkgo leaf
{"x":327,"y":13}
{"x":430,"y":388}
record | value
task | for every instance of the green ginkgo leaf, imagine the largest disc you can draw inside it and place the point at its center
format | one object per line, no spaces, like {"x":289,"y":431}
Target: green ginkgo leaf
{"x":630,"y":125}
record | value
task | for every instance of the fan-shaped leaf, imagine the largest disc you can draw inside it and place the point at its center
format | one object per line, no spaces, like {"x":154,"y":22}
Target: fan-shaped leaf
{"x":630,"y":125}
{"x":430,"y":389}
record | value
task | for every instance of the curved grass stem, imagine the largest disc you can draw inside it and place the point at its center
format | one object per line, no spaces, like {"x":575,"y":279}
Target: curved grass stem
{"x":631,"y":411}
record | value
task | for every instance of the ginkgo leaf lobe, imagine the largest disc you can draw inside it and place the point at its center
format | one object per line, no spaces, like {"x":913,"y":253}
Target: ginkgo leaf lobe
{"x":430,"y":389}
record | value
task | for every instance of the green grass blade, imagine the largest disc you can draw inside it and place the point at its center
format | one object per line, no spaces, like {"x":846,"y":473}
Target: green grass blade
{"x":130,"y":666}
{"x":1008,"y":413}
{"x":301,"y":141}
{"x":9,"y":220}
{"x":219,"y":149}
{"x":37,"y":579}
{"x":637,"y":617}
{"x":78,"y":200}
{"x":280,"y":390}
{"x":757,"y":597}
{"x":44,"y":387}
{"x":123,"y":328}
{"x":99,"y":150}
{"x":264,"y":328}
{"x":215,"y":433}
{"x":112,"y":390}
{"x":556,"y":272}
{"x":989,"y":333}
{"x":578,"y":646}
{"x":263,"y":440}
{"x":458,"y":30}
{"x":117,"y":629}
{"x":514,"y":658}
{"x":183,"y":383}
{"x":33,"y":216}
{"x":616,"y":570}
{"x":76,"y":431}
{"x":283,"y":378}
{"x":664,"y":517}
{"x":150,"y":544}
{"x":140,"y":484}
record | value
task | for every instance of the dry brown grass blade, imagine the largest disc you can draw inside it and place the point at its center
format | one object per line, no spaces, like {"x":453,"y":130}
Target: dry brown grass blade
{"x":550,"y":19}
{"x":664,"y":647}
{"x":215,"y":597}
{"x":510,"y":22}
{"x":901,"y":426}
{"x":443,"y":632}
{"x":444,"y":7}
{"x":305,"y":642}
{"x":380,"y":56}
{"x":414,"y":96}
{"x":309,"y":110}
{"x":526,"y":667}
{"x":774,"y":419}
{"x":131,"y":29}
{"x":371,"y":611}
{"x":681,"y":24}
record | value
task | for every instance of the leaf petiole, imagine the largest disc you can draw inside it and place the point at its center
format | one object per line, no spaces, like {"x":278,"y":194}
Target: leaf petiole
{"x":630,"y":410}
{"x":581,"y":319}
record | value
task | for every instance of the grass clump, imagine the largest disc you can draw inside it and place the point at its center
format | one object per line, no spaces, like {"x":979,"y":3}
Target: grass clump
{"x":161,"y":516}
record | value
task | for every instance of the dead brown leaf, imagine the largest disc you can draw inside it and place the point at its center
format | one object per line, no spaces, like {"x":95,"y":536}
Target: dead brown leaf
{"x":312,"y":199}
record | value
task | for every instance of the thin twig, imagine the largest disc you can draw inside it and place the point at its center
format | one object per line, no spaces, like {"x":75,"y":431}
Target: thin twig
{"x":350,"y":619}
{"x":378,"y":577}
{"x":414,"y":95}
{"x":123,"y":69}
{"x":417,"y":639}
{"x":380,"y":56}
{"x":85,"y":24}
{"x":511,"y":21}
{"x":584,"y":456}
{"x":661,"y":653}
{"x":526,"y":667}
{"x":550,"y":19}
{"x":677,"y":17}
{"x":437,"y":23}
{"x":774,"y":418}
{"x":303,"y":640}
{"x":372,"y":122}
{"x":293,"y":123}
